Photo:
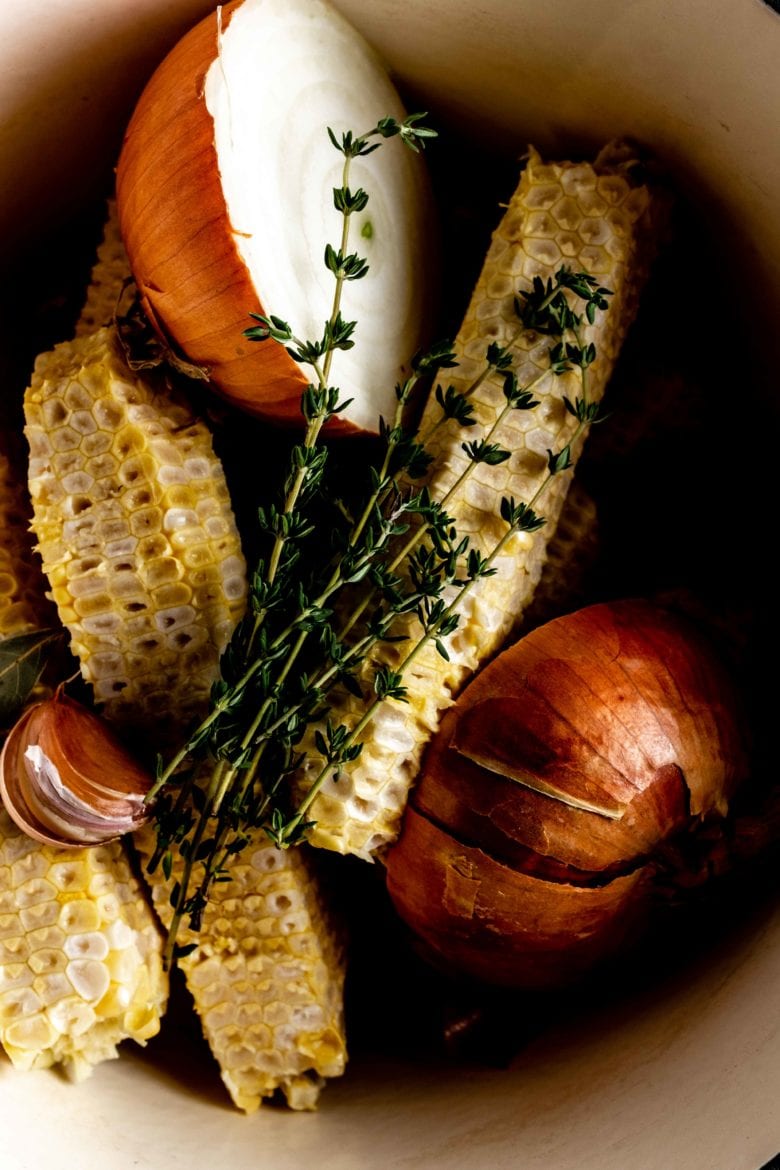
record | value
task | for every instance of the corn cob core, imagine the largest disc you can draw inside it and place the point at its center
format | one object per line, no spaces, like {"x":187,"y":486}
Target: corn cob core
{"x":23,"y":604}
{"x":80,"y":954}
{"x":266,"y":975}
{"x":136,"y":532}
{"x":591,"y":218}
{"x":572,"y":551}
{"x":109,"y":272}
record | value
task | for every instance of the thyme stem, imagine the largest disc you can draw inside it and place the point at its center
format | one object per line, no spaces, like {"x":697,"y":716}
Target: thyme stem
{"x":179,"y":896}
{"x":276,"y":675}
{"x":330,"y":767}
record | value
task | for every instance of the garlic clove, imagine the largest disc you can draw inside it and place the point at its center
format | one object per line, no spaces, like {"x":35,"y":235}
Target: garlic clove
{"x":59,"y":809}
{"x":12,"y":776}
{"x":65,"y":780}
{"x":91,"y":763}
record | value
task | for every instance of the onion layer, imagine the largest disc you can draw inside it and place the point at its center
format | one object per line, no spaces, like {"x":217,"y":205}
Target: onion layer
{"x":552,"y":784}
{"x":225,"y":194}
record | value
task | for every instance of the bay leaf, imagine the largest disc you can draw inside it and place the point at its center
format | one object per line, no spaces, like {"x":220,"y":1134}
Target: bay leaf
{"x":22,"y":661}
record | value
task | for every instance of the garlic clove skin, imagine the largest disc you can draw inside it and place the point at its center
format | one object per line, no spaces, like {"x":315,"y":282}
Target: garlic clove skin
{"x":92,"y":763}
{"x":12,"y":787}
{"x":55,"y":805}
{"x":66,"y":781}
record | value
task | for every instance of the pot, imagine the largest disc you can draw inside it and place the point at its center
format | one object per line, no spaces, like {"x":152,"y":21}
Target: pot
{"x":684,"y":1073}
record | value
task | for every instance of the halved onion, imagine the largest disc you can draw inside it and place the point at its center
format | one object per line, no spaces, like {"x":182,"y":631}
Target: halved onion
{"x":225,"y":193}
{"x":66,"y":781}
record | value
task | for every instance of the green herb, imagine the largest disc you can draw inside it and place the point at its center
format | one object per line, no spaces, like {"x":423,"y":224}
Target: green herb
{"x":318,"y":607}
{"x":23,"y":660}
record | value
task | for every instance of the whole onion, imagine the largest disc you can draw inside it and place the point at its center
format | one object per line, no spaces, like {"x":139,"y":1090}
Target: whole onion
{"x":554,"y":786}
{"x":225,"y":191}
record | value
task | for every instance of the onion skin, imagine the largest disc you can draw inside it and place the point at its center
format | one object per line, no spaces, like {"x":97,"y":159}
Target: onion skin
{"x":497,"y":924}
{"x":623,"y":707}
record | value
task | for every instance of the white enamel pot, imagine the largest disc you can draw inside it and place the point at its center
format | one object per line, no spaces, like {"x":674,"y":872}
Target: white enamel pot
{"x":686,"y":1076}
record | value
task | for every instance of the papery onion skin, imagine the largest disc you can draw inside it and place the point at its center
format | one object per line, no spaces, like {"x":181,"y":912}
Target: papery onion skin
{"x":176,"y":226}
{"x":497,"y":924}
{"x":623,"y":706}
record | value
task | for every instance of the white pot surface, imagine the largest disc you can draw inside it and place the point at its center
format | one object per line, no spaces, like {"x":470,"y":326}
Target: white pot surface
{"x":685,"y":1078}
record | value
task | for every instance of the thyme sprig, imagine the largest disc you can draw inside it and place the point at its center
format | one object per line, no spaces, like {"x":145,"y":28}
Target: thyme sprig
{"x":393,"y":563}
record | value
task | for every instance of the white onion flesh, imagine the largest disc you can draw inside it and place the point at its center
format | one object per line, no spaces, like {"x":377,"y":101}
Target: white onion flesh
{"x":287,"y":70}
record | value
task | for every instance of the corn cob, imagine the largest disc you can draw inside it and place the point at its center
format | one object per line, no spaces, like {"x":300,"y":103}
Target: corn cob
{"x":23,"y":605}
{"x":266,"y":976}
{"x":134,"y":524}
{"x":80,"y":954}
{"x":591,"y":218}
{"x":109,"y":273}
{"x":267,"y":973}
{"x":570,"y":554}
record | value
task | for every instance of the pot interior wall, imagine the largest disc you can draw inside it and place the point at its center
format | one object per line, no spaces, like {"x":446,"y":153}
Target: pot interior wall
{"x":695,"y":1059}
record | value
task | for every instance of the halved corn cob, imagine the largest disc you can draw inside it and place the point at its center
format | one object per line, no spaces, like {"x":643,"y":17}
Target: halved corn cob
{"x":109,"y":273}
{"x":572,"y":551}
{"x":23,"y":604}
{"x":136,"y":532}
{"x":266,"y":975}
{"x":80,"y":951}
{"x":592,"y":218}
{"x":80,"y":954}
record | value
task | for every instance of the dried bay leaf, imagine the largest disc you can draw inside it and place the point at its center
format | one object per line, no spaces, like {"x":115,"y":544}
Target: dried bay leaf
{"x":22,"y":661}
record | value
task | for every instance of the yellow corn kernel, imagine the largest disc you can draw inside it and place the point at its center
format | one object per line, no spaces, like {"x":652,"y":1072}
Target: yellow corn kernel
{"x":591,"y":218}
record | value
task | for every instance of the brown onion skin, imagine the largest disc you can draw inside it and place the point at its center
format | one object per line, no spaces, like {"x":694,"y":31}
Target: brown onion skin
{"x":192,"y":282}
{"x":624,"y":705}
